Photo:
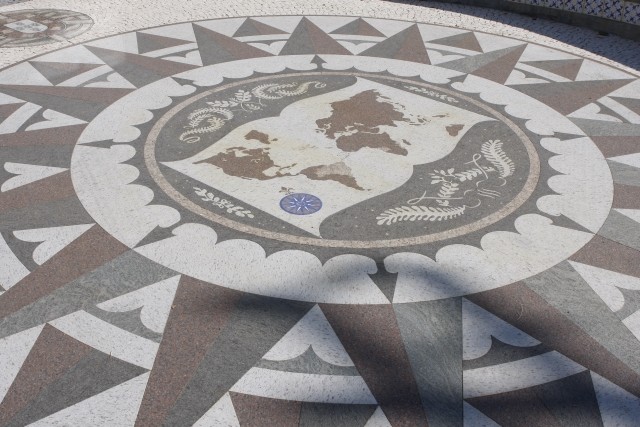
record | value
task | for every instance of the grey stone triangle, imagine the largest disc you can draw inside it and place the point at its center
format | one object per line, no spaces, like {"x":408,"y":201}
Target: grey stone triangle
{"x":216,"y":48}
{"x":308,"y":38}
{"x":385,"y":281}
{"x":93,"y":374}
{"x":150,"y":42}
{"x":473,"y":63}
{"x":358,"y":27}
{"x":406,"y":45}
{"x":57,"y":72}
{"x":631,"y":103}
{"x":567,"y":68}
{"x":464,"y":41}
{"x":252,"y":27}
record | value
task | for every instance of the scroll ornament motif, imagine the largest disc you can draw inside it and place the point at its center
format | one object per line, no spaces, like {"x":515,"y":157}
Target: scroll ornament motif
{"x":209,"y":119}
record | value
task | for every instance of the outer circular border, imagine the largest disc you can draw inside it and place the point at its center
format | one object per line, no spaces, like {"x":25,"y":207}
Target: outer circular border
{"x":516,"y":202}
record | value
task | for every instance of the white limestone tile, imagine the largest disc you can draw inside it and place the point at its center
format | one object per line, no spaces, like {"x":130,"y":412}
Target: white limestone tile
{"x":591,"y":70}
{"x":519,"y":78}
{"x":182,"y":31}
{"x":387,"y":27}
{"x":127,"y":43}
{"x":314,"y":331}
{"x":172,"y":50}
{"x":52,"y":239}
{"x":479,"y":326}
{"x":536,"y":52}
{"x":193,"y":58}
{"x":593,"y":112}
{"x":517,"y":375}
{"x":284,"y":23}
{"x":355,"y":48}
{"x":273,"y":48}
{"x":624,"y":112}
{"x":75,"y":54}
{"x":11,"y":268}
{"x":14,"y":350}
{"x":378,"y":419}
{"x":434,"y":32}
{"x":331,"y":23}
{"x":618,"y":407}
{"x":504,"y":257}
{"x":475,"y":418}
{"x":118,"y":195}
{"x":26,"y":174}
{"x":222,"y":414}
{"x":117,"y":406}
{"x":223,"y":26}
{"x":304,"y":387}
{"x":633,"y":324}
{"x":155,"y":301}
{"x":490,"y":42}
{"x":540,"y":72}
{"x":23,"y":74}
{"x":12,"y":123}
{"x":437,"y":57}
{"x":291,"y":274}
{"x":108,"y":338}
{"x":119,"y":121}
{"x":54,"y":119}
{"x":605,"y":283}
{"x":628,"y":159}
{"x":584,"y":185}
{"x":633,"y":214}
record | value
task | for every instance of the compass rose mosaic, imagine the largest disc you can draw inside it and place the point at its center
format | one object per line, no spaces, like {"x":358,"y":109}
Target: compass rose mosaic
{"x":314,"y":221}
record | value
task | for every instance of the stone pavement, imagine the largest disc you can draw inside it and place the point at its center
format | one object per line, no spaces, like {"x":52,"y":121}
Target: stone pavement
{"x":336,"y":214}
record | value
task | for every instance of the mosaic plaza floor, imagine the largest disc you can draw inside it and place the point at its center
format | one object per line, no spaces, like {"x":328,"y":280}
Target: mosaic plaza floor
{"x":317,"y":221}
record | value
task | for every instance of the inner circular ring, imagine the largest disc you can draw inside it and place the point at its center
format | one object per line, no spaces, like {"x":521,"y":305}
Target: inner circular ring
{"x":516,"y":202}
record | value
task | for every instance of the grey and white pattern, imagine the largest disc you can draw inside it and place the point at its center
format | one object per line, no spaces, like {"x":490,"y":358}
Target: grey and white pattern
{"x":149,"y":280}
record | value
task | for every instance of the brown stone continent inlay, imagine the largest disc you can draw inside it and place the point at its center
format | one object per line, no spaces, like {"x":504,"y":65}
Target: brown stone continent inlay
{"x":360,"y":117}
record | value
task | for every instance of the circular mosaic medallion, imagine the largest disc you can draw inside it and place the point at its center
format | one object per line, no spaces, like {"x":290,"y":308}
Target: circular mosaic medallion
{"x":365,"y":143}
{"x":41,"y":26}
{"x":300,"y":204}
{"x":227,"y":154}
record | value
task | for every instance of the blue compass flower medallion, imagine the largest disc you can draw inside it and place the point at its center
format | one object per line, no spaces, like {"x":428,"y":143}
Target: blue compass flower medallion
{"x":301,"y":204}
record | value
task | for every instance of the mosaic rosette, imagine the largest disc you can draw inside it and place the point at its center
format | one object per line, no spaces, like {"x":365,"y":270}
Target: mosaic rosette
{"x":318,"y":220}
{"x":22,"y":28}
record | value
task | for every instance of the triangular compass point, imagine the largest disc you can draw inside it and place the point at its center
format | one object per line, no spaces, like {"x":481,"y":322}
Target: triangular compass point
{"x":358,"y":27}
{"x":252,"y":27}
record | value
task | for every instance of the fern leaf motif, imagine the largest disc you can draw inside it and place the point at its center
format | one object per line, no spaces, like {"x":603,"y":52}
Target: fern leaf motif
{"x":448,"y":189}
{"x":418,"y":213}
{"x":492,"y":151}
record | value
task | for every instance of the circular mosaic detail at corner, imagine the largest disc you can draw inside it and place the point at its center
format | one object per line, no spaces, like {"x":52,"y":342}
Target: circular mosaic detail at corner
{"x":41,"y":26}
